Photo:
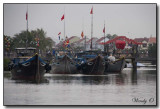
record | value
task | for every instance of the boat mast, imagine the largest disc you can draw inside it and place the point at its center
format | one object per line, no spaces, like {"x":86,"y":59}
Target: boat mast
{"x":104,"y":36}
{"x":27,"y":26}
{"x":64,"y":23}
{"x":85,"y":43}
{"x":91,"y":26}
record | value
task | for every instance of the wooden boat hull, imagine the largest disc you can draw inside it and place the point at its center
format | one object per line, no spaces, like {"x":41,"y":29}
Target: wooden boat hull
{"x":32,"y":69}
{"x":115,"y":66}
{"x":94,"y":67}
{"x":64,"y":66}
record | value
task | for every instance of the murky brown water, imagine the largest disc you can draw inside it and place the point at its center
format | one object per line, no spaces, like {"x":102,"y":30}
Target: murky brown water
{"x":126,"y":88}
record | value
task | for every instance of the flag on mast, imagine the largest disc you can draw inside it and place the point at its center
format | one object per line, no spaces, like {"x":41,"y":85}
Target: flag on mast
{"x":26,"y":15}
{"x":59,"y":35}
{"x":82,"y":34}
{"x":104,"y":30}
{"x":91,"y":12}
{"x":62,"y":17}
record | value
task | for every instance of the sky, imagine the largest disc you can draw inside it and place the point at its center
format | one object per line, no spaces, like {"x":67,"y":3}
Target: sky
{"x":131,"y":20}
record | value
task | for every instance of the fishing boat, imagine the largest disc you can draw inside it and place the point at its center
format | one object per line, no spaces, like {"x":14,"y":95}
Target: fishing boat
{"x":94,"y":66}
{"x":64,"y":66}
{"x":28,"y":67}
{"x":116,"y":66}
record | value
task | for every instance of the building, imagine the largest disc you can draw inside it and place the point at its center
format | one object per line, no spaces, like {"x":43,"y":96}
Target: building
{"x":98,"y":45}
{"x":152,"y":40}
{"x":71,"y":41}
{"x":144,"y":43}
{"x":81,"y":42}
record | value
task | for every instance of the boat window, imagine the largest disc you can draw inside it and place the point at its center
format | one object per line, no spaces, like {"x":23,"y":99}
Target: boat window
{"x":43,"y":64}
{"x":26,"y":64}
{"x":90,"y":63}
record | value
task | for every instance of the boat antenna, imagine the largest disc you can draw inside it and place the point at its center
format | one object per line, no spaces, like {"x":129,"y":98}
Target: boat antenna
{"x":64,"y":22}
{"x":27,"y":26}
{"x":104,"y":35}
{"x":91,"y":26}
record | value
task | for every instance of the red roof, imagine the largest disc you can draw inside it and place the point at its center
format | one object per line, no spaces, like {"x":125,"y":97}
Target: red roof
{"x":141,"y":39}
{"x":99,"y":40}
{"x":121,"y":38}
{"x":152,"y":40}
{"x":71,"y":37}
{"x":80,"y":40}
{"x":90,"y":40}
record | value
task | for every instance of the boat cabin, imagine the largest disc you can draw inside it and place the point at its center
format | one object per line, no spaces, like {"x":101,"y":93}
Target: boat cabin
{"x":25,"y":52}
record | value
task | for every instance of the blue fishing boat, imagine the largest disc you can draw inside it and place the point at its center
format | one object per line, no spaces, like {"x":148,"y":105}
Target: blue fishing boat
{"x":92,"y":63}
{"x":28,"y":67}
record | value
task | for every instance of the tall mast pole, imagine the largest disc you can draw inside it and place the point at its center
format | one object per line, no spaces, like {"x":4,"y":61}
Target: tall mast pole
{"x":64,"y":23}
{"x":91,"y":27}
{"x":85,"y":43}
{"x":104,"y":36}
{"x":27,"y":25}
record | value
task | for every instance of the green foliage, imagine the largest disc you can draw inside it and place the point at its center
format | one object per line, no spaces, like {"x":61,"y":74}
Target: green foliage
{"x":109,"y":36}
{"x":8,"y":43}
{"x":6,"y":62}
{"x":29,"y":38}
{"x":152,"y":51}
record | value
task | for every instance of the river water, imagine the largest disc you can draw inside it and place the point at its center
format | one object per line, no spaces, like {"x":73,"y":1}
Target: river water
{"x":125,"y":88}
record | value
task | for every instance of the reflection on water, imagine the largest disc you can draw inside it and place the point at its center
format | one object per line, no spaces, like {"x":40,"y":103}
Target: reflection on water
{"x":57,"y":89}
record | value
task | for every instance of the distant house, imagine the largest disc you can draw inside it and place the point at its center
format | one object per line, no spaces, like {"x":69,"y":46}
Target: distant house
{"x":72,"y":40}
{"x":144,"y":43}
{"x":88,"y":43}
{"x":81,"y":42}
{"x":100,"y":40}
{"x":152,"y":40}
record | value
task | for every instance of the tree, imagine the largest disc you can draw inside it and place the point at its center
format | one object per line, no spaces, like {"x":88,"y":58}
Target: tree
{"x":109,"y":36}
{"x":32,"y":38}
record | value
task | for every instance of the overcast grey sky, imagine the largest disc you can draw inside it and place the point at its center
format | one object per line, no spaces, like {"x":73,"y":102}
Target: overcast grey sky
{"x":131,"y":20}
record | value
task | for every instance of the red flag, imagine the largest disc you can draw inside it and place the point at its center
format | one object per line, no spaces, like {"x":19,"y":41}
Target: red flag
{"x":62,"y":17}
{"x":26,"y":15}
{"x":67,"y":41}
{"x":91,"y":11}
{"x":82,"y":34}
{"x":59,"y":33}
{"x":104,"y":30}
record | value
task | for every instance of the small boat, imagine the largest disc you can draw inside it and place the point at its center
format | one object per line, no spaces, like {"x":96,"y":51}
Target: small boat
{"x":116,"y":66}
{"x":94,"y":66}
{"x":64,"y":66}
{"x":30,"y":68}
